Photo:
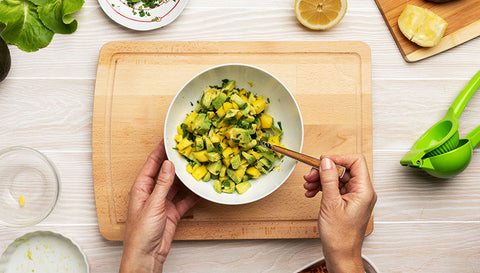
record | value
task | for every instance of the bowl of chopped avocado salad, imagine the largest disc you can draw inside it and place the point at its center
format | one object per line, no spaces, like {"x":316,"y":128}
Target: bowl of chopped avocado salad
{"x":143,"y":14}
{"x":213,"y":127}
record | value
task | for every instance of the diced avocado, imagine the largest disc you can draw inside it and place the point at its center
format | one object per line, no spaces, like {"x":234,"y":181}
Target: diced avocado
{"x":239,"y":101}
{"x":261,"y":149}
{"x":223,"y":171}
{"x":249,"y":145}
{"x":243,"y":187}
{"x":231,"y":113}
{"x":206,"y":100}
{"x":228,"y":186}
{"x":217,"y":185}
{"x":269,"y":156}
{"x":201,"y":124}
{"x":237,"y":175}
{"x":209,"y":145}
{"x":250,"y":158}
{"x":228,"y":86}
{"x":213,"y":156}
{"x":219,"y":100}
{"x":206,"y":178}
{"x":235,"y":162}
{"x":276,"y":131}
{"x":199,"y":143}
{"x":239,"y":135}
{"x":215,"y":167}
{"x":249,"y":118}
{"x":246,"y":110}
{"x":265,"y":162}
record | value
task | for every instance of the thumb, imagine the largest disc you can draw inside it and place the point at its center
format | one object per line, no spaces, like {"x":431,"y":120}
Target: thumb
{"x":165,"y":179}
{"x":329,"y":179}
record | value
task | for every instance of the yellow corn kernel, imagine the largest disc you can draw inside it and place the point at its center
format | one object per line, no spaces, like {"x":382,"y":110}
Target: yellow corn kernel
{"x":199,"y":172}
{"x":189,"y":168}
{"x":266,"y":120}
{"x":236,"y":150}
{"x":178,"y":137}
{"x":201,"y":156}
{"x":254,"y":172}
{"x":21,"y":201}
{"x":179,"y":130}
{"x":235,"y":106}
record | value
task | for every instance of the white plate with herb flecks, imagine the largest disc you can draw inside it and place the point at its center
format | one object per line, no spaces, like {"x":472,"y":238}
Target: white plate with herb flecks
{"x":143,"y":14}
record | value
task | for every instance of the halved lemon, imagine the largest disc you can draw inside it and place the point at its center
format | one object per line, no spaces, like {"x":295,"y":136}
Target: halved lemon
{"x":421,"y":26}
{"x":320,"y":14}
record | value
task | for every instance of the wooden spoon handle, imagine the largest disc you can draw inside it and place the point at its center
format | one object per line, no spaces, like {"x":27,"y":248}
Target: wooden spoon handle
{"x":309,"y":160}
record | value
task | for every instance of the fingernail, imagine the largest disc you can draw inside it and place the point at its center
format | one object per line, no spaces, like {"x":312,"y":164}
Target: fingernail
{"x":326,"y":164}
{"x":166,"y":167}
{"x":310,"y":173}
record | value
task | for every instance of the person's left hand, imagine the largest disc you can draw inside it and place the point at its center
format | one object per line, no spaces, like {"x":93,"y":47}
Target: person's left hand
{"x":152,"y":215}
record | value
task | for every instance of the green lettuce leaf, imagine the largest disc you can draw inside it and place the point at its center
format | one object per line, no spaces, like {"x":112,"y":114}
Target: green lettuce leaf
{"x":23,"y":26}
{"x":55,"y":14}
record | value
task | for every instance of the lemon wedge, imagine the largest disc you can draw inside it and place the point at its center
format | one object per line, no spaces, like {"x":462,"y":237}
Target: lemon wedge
{"x":421,"y":26}
{"x":320,"y":14}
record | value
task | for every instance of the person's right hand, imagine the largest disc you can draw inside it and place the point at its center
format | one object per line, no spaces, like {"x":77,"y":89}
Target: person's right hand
{"x":345,"y":209}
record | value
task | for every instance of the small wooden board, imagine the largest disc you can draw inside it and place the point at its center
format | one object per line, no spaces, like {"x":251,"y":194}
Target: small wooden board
{"x":462,"y":16}
{"x":136,"y":82}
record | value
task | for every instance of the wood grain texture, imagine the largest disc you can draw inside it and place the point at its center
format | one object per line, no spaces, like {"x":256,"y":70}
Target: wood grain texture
{"x":463,"y":18}
{"x":128,"y":121}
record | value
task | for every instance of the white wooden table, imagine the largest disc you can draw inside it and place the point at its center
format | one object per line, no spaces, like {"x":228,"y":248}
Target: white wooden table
{"x":422,"y":224}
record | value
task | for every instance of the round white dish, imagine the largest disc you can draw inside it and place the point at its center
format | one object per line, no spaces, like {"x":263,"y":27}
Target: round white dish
{"x":41,"y":252}
{"x":283,"y":108}
{"x":29,"y":186}
{"x":367,"y":265}
{"x":153,"y":18}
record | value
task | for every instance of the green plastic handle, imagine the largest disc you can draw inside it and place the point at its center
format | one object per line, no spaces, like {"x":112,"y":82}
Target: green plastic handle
{"x":474,"y":137}
{"x":462,"y":99}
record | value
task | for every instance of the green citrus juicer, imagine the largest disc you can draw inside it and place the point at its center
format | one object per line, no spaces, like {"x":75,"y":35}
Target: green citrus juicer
{"x":440,"y":151}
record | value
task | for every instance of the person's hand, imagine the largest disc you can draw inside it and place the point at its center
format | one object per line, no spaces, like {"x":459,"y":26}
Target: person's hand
{"x":152,"y":215}
{"x":345,"y":209}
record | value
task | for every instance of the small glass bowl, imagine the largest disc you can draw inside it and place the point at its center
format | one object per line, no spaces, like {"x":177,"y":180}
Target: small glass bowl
{"x":29,"y":187}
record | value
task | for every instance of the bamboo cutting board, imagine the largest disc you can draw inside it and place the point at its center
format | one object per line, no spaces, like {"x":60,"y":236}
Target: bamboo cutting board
{"x":462,"y":16}
{"x":136,"y":81}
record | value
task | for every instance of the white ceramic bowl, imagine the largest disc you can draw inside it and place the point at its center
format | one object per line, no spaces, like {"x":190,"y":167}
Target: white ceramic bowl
{"x":43,"y":251}
{"x":367,"y":265}
{"x":283,"y":108}
{"x":129,"y":17}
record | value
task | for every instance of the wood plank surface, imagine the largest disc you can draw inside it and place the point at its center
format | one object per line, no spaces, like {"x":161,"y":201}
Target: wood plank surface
{"x":136,"y":82}
{"x":462,"y":16}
